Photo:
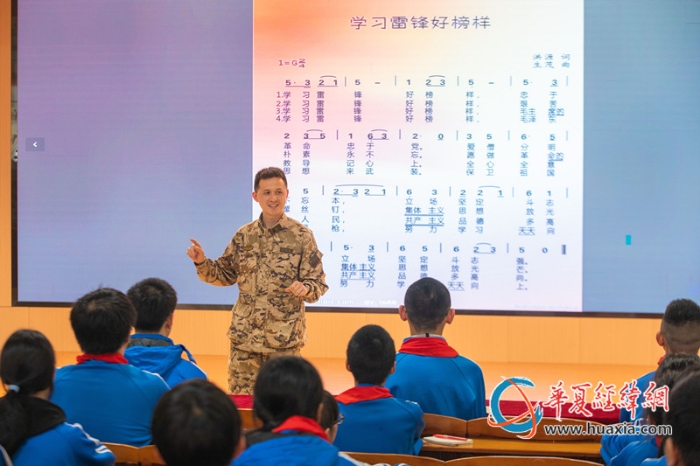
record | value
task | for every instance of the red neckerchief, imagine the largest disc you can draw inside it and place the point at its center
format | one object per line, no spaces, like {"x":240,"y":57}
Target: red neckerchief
{"x":114,"y":358}
{"x":661,"y":359}
{"x":659,"y":441}
{"x":363,"y":393}
{"x":302,"y":424}
{"x":428,"y":346}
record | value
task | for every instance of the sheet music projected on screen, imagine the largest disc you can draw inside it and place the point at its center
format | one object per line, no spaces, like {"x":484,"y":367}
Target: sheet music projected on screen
{"x":440,"y":139}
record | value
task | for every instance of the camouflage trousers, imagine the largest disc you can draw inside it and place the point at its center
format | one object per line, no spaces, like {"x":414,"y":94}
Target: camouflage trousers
{"x":243,"y":368}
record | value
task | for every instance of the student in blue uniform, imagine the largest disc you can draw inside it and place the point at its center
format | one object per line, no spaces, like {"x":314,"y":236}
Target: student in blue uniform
{"x":150,"y":348}
{"x":32,"y":429}
{"x":374,"y":421}
{"x":287,"y":397}
{"x":647,"y":446}
{"x":679,"y":333}
{"x":682,"y":448}
{"x":428,"y":370}
{"x":197,"y":423}
{"x":111,"y":399}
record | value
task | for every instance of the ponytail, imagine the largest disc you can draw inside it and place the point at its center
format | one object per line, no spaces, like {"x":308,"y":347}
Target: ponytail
{"x":14,"y":422}
{"x":27,"y":365}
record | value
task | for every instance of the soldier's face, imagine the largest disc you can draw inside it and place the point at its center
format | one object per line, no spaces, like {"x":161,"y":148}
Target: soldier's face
{"x":271,"y":195}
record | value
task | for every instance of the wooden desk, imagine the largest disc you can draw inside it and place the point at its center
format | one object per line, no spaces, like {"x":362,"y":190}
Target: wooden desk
{"x":490,"y":446}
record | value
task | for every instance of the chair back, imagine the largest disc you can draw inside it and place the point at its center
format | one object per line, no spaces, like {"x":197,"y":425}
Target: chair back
{"x":248,"y":419}
{"x":479,"y":428}
{"x":126,"y":455}
{"x":391,"y":458}
{"x":149,"y":456}
{"x":518,"y":461}
{"x":437,"y":424}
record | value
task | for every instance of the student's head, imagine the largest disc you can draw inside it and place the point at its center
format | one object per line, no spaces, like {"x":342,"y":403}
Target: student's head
{"x":155,"y":301}
{"x":330,"y":416}
{"x":27,"y":365}
{"x":286,"y":386}
{"x":667,"y":374}
{"x":680,"y":327}
{"x":370,"y":355}
{"x":196,"y":423}
{"x":267,"y":174}
{"x":102,"y":321}
{"x":427,"y":306}
{"x":683,"y":447}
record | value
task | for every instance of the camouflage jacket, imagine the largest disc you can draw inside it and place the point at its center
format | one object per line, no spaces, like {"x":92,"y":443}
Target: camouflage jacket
{"x":264,"y":262}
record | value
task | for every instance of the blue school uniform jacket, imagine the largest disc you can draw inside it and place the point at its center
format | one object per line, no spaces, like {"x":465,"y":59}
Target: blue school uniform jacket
{"x":158,"y":354}
{"x":50,"y":440}
{"x":378,"y":425}
{"x":642,"y":385}
{"x":612,"y":445}
{"x":64,"y":445}
{"x":636,"y":452}
{"x":113,"y":402}
{"x":447,"y":385}
{"x":655,"y":462}
{"x":294,"y":450}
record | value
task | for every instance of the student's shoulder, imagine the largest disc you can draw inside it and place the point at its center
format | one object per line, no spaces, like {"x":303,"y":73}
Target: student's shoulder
{"x":655,"y":462}
{"x":187,"y":370}
{"x":63,"y":440}
{"x":409,"y":406}
{"x":73,"y":433}
{"x":467,"y":364}
{"x":145,"y":379}
{"x":64,"y":371}
{"x":645,"y":379}
{"x":85,"y":449}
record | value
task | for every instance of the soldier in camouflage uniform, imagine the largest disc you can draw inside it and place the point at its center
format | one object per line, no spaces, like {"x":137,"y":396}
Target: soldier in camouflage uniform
{"x":277,"y":266}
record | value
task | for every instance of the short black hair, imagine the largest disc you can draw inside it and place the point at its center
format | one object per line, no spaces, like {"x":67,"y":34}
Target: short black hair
{"x":266,"y":174}
{"x":27,"y":363}
{"x":371,"y":354}
{"x":330,"y":411}
{"x":102,"y":320}
{"x":286,"y":386}
{"x":427,"y":303}
{"x":154,"y":300}
{"x":680,"y":326}
{"x":196,"y":423}
{"x":684,"y":417}
{"x":670,"y":370}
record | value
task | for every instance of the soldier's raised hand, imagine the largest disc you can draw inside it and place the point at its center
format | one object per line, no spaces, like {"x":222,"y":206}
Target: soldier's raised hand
{"x":196,"y":252}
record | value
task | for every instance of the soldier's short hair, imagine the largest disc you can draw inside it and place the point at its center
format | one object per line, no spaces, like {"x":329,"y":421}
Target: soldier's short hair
{"x":371,"y":354}
{"x":427,"y":303}
{"x":266,"y":174}
{"x":680,"y":326}
{"x":196,"y":423}
{"x":155,"y":301}
{"x":102,"y":320}
{"x":286,"y":386}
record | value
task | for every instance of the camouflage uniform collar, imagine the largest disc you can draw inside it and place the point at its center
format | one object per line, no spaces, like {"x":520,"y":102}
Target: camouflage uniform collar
{"x":282,"y":224}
